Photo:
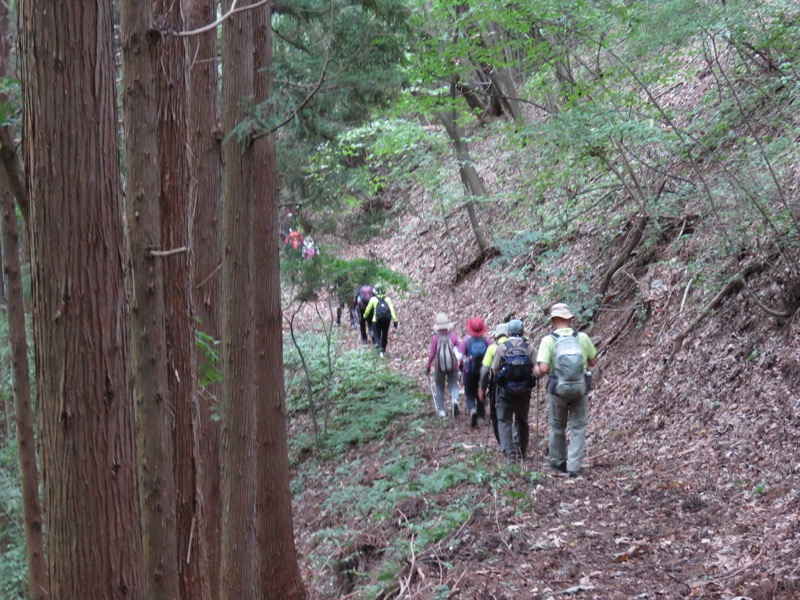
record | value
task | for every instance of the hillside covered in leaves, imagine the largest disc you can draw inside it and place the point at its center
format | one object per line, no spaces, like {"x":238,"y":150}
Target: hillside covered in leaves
{"x":647,"y":175}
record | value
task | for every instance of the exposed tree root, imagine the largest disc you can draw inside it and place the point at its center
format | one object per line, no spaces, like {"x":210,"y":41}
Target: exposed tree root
{"x":465,"y":270}
{"x":634,"y":237}
{"x":733,"y":285}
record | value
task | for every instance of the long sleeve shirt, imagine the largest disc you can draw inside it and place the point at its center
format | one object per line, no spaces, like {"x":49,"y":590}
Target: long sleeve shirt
{"x":435,"y":345}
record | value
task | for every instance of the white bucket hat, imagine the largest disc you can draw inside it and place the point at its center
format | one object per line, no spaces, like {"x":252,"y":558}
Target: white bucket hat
{"x":442,"y":322}
{"x":561,"y":311}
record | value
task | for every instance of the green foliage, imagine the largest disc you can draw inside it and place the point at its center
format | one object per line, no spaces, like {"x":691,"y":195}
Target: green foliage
{"x":13,"y":568}
{"x":359,"y":401}
{"x":209,"y":363}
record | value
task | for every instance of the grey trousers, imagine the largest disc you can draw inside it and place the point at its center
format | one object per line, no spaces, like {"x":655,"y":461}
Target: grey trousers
{"x":510,"y":408}
{"x":449,"y":379}
{"x":574,"y":413}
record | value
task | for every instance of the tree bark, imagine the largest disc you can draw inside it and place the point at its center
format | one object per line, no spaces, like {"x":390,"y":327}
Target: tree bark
{"x":469,"y":177}
{"x":26,"y":442}
{"x":279,"y":574}
{"x":154,"y":412}
{"x":20,"y":374}
{"x":205,"y":162}
{"x":88,"y":444}
{"x":172,"y":100}
{"x":238,"y":549}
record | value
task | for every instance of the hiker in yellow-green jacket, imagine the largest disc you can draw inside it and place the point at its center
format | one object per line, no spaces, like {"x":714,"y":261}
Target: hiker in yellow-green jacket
{"x":486,"y":385}
{"x":564,"y":357}
{"x":380,"y":314}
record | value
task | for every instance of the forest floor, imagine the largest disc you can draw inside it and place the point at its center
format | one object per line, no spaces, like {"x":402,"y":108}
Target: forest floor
{"x":690,"y":485}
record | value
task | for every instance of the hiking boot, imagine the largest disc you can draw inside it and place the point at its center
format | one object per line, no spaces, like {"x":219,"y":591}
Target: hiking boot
{"x":561,"y":467}
{"x":382,"y":355}
{"x":574,"y":474}
{"x":455,"y":409}
{"x":442,"y":413}
{"x":473,"y":418}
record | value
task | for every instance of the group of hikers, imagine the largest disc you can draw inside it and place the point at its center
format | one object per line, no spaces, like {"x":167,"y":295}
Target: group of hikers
{"x":504,"y":369}
{"x":374,"y":313}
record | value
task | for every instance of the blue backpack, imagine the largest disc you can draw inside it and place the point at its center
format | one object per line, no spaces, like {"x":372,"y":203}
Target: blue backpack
{"x":475,"y":352}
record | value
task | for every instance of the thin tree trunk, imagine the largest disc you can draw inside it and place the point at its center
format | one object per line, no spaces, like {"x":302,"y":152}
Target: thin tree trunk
{"x":13,"y":299}
{"x":154,"y":415}
{"x":205,"y":161}
{"x":26,"y":442}
{"x":279,"y":573}
{"x":469,"y":177}
{"x":94,"y":538}
{"x":238,"y":549}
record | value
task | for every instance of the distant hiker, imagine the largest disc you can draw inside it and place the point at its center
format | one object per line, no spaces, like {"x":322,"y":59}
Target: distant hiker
{"x":343,"y":299}
{"x":363,"y":295}
{"x":380,"y":312}
{"x":564,"y":357}
{"x":444,"y":355}
{"x":310,"y":249}
{"x":486,"y":385}
{"x":294,"y":241}
{"x":473,"y":349}
{"x":512,"y":367}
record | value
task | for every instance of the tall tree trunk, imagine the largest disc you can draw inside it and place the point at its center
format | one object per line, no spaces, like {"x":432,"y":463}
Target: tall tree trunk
{"x":94,"y":542}
{"x":154,"y":413}
{"x":205,"y":161}
{"x":469,"y":176}
{"x":17,"y":338}
{"x":20,"y":374}
{"x":238,"y":550}
{"x":172,"y":99}
{"x":279,"y":573}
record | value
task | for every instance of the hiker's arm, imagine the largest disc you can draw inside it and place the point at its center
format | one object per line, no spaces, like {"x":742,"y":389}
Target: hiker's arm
{"x":541,"y":369}
{"x":483,"y":382}
{"x":368,"y":310}
{"x":592,"y":362}
{"x":431,"y":355}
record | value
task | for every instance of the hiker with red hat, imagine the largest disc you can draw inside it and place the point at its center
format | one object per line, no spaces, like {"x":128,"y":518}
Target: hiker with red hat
{"x":473,"y":348}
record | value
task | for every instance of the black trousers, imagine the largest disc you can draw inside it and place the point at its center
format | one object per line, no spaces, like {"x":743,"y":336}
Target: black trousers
{"x":380,"y":334}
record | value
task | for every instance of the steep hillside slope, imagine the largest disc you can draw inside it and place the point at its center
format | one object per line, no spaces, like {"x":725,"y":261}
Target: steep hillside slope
{"x":693,"y":457}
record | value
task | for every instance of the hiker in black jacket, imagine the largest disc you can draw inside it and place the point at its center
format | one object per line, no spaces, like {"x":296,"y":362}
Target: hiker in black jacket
{"x":512,"y":367}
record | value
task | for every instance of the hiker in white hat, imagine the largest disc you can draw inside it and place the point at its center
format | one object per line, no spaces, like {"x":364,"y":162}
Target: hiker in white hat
{"x":565,"y":356}
{"x":444,"y":354}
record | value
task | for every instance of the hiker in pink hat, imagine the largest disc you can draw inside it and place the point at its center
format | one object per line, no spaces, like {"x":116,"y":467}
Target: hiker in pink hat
{"x":473,"y":348}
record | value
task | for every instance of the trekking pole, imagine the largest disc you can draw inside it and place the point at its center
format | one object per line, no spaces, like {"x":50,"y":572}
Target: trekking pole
{"x":538,"y":433}
{"x":433,"y":393}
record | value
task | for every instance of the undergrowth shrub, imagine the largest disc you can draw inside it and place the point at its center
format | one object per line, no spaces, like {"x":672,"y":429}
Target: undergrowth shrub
{"x":355,"y":395}
{"x":13,"y":570}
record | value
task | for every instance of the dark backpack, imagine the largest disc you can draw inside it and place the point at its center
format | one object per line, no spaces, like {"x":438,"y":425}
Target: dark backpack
{"x":364,"y":296}
{"x":516,"y":375}
{"x":382,"y":311}
{"x":568,"y":368}
{"x":445,"y":354}
{"x":475,"y":352}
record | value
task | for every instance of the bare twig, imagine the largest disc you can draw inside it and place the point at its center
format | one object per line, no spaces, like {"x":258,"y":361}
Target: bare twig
{"x":180,"y":250}
{"x":233,"y":10}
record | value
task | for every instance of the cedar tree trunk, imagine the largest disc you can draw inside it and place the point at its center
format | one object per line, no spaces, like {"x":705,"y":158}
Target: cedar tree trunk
{"x":154,"y":414}
{"x":279,"y":573}
{"x":238,"y":551}
{"x":91,"y":502}
{"x":205,"y":162}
